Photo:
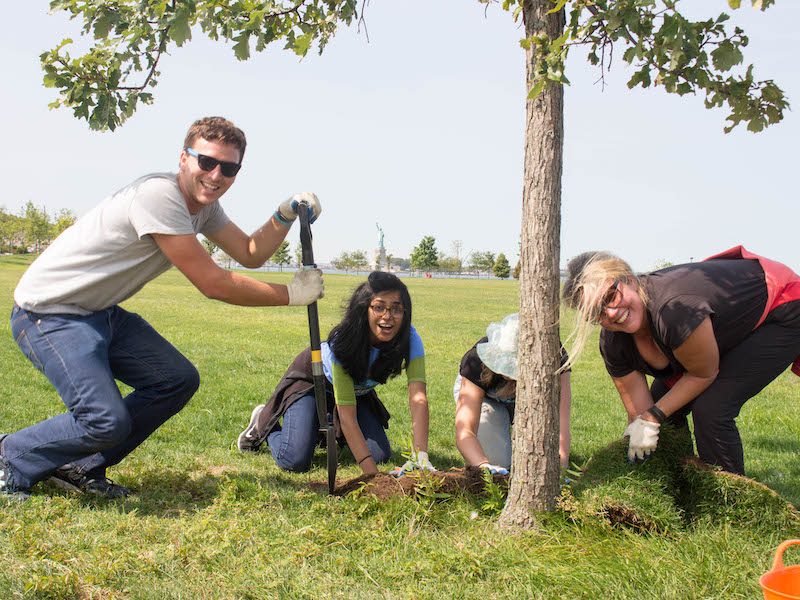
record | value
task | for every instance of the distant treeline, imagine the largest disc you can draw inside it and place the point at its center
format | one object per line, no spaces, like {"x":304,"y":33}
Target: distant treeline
{"x":32,"y":229}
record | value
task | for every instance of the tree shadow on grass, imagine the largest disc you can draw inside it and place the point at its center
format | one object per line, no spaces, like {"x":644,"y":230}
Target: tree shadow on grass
{"x":160,"y":492}
{"x":172,"y":493}
{"x":168,"y":493}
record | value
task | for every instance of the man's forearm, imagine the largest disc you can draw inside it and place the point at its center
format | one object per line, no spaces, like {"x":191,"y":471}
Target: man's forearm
{"x":264,"y":242}
{"x":241,"y":290}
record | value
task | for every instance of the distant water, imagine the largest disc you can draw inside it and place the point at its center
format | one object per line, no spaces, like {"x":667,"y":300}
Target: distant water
{"x":330,"y":270}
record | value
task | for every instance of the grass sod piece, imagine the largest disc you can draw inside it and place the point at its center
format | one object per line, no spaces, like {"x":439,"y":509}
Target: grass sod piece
{"x":672,"y":490}
{"x":713,"y":496}
{"x":638,"y":496}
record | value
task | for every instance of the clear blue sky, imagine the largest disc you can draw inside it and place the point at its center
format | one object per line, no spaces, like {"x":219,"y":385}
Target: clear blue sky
{"x":420,"y":128}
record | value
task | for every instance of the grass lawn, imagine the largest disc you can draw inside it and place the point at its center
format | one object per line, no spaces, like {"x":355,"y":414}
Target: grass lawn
{"x":209,"y":523}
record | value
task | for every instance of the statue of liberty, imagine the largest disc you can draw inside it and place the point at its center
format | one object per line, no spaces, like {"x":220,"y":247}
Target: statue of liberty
{"x":380,"y":236}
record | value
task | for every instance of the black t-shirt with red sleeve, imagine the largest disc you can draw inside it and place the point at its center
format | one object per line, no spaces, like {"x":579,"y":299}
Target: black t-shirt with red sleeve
{"x":732,"y":292}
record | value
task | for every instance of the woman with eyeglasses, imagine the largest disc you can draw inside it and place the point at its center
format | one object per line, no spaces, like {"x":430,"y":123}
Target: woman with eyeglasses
{"x":485,"y":391}
{"x":374,"y":342}
{"x":712,"y":335}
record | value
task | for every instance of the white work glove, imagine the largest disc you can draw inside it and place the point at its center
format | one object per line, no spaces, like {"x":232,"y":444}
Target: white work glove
{"x":288,"y":208}
{"x":419,"y":460}
{"x":306,"y":287}
{"x":643,"y":438}
{"x":494,"y":469}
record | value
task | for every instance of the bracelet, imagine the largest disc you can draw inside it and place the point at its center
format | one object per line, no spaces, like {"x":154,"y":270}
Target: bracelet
{"x":657,"y":413}
{"x":365,"y":458}
{"x":279,"y":218}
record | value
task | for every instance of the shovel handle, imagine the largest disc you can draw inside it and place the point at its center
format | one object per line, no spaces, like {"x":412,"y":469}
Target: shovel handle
{"x":778,"y":562}
{"x":325,"y":425}
{"x":313,"y":320}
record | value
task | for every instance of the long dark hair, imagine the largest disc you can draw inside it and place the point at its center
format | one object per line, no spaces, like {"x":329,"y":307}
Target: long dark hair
{"x":349,"y":340}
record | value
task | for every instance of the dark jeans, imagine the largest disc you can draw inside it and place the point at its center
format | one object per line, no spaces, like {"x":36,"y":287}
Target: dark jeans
{"x":744,"y":371}
{"x":292,"y":444}
{"x":82,"y":356}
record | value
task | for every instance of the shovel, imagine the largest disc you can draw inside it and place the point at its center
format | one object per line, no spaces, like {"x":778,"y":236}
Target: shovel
{"x":325,"y":424}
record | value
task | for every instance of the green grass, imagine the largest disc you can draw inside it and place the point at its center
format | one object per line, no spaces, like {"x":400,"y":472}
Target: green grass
{"x":208,"y":522}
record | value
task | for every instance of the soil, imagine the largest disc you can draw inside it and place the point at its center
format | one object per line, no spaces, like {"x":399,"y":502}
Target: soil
{"x":385,"y":486}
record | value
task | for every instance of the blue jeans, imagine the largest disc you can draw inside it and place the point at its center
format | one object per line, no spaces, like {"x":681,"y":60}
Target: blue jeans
{"x":494,"y":427}
{"x":292,"y":444}
{"x":82,"y":356}
{"x":494,"y":431}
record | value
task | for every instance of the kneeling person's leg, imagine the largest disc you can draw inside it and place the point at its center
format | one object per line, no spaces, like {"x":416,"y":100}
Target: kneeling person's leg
{"x":292,"y":444}
{"x":72,"y":352}
{"x":494,"y":432}
{"x":374,"y":434}
{"x":163,"y":381}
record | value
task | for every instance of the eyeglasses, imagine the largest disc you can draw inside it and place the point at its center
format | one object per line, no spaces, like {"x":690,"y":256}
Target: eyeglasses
{"x":611,"y":299}
{"x":208,"y":163}
{"x":396,"y":310}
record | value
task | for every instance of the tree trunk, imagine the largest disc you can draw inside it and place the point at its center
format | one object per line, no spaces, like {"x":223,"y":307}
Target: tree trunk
{"x":535,"y":466}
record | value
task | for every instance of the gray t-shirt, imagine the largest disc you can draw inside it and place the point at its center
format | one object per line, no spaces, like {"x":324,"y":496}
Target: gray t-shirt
{"x":108,"y":255}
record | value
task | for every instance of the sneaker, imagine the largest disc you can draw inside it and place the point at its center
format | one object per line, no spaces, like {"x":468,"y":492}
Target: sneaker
{"x":249,"y":440}
{"x":9,"y":492}
{"x":73,"y":480}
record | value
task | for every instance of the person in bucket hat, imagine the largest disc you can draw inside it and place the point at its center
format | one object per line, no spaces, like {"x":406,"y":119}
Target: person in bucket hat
{"x":485,"y":393}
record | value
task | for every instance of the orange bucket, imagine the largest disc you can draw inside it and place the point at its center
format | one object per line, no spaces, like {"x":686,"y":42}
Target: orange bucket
{"x":781,"y":583}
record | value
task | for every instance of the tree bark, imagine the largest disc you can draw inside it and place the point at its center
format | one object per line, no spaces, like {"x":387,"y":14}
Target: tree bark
{"x":535,"y":467}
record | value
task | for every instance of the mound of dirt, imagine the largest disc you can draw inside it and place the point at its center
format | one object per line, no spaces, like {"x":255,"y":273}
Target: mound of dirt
{"x":385,"y":486}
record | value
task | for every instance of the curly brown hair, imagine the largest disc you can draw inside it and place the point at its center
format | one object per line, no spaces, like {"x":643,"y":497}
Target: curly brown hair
{"x":216,"y":129}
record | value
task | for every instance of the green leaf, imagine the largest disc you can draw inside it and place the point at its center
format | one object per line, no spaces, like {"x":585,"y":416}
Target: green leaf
{"x":57,"y":5}
{"x":641,"y":77}
{"x":242,"y":47}
{"x":302,"y":44}
{"x":734,"y":3}
{"x":102,"y":26}
{"x":558,"y":43}
{"x":82,"y":111}
{"x":558,"y":7}
{"x":772,"y":93}
{"x":756,"y":125}
{"x":179,"y":30}
{"x":628,"y":56}
{"x":726,"y":56}
{"x":537,"y":88}
{"x":256,"y":19}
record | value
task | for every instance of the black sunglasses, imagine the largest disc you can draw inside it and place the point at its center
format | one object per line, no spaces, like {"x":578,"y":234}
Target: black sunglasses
{"x":207,"y":163}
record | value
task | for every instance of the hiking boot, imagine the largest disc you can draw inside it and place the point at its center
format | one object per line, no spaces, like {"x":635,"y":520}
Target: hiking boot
{"x":249,"y":440}
{"x":9,"y":492}
{"x":73,"y":480}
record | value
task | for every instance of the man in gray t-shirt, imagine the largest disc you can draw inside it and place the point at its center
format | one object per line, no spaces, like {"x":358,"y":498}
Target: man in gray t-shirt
{"x":67,"y":320}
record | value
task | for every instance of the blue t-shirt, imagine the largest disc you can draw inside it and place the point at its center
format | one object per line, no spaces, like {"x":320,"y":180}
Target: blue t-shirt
{"x":416,"y":350}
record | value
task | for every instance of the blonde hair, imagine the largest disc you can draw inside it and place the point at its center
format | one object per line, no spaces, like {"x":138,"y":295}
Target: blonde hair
{"x":588,"y":277}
